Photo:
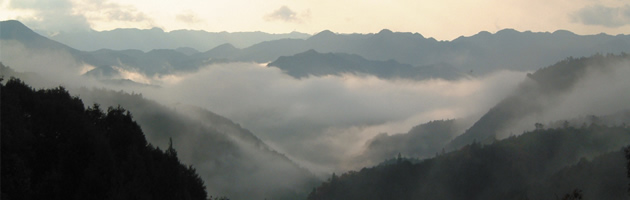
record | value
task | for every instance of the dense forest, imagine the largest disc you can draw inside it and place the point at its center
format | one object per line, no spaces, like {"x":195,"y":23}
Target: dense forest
{"x":422,"y":141}
{"x":55,"y":148}
{"x":542,"y":164}
{"x":228,"y":158}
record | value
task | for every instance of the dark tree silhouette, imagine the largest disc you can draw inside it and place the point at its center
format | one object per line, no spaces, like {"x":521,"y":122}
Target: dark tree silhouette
{"x":54,"y":148}
{"x":575,"y":195}
{"x":627,"y":153}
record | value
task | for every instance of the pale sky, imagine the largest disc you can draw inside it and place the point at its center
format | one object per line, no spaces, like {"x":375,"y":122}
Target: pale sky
{"x":440,"y":19}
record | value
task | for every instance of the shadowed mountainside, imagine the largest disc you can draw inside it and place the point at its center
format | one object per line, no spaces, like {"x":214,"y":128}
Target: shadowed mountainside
{"x":542,"y":90}
{"x":230,"y":159}
{"x":535,"y":165}
{"x":312,"y":63}
{"x":55,"y":148}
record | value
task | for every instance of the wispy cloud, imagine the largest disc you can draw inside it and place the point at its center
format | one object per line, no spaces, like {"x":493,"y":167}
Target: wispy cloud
{"x":603,"y":16}
{"x":96,"y":10}
{"x":188,"y":16}
{"x":51,"y":15}
{"x":67,"y":15}
{"x":285,"y":14}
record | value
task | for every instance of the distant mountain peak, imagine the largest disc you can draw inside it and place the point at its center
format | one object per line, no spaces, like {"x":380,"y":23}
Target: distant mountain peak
{"x":310,"y":51}
{"x":507,"y":31}
{"x":13,"y":29}
{"x":12,"y":23}
{"x":563,"y":33}
{"x":226,"y":46}
{"x":187,"y":50}
{"x":484,"y":33}
{"x":385,"y":31}
{"x":325,"y":34}
{"x":156,"y":29}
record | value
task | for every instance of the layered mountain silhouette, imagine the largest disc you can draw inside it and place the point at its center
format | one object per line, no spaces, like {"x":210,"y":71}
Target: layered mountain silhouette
{"x":474,"y":55}
{"x":570,"y":158}
{"x":234,"y":162}
{"x":541,"y":91}
{"x":156,"y":38}
{"x":152,"y":63}
{"x":481,"y":53}
{"x":313,"y":63}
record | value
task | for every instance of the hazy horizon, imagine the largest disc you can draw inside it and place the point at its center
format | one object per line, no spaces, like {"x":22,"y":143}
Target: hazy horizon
{"x":281,"y":100}
{"x":443,"y":20}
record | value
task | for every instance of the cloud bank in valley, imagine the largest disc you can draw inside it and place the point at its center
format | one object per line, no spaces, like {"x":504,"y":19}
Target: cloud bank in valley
{"x":317,"y":121}
{"x":320,"y":121}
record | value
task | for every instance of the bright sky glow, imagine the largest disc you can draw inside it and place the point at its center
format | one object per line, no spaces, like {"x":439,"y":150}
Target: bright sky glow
{"x":441,"y":19}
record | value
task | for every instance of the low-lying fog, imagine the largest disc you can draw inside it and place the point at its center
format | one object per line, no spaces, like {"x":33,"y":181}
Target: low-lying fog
{"x":319,"y":122}
{"x":323,"y":122}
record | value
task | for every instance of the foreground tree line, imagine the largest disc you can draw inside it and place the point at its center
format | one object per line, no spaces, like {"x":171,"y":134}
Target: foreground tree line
{"x":55,"y":148}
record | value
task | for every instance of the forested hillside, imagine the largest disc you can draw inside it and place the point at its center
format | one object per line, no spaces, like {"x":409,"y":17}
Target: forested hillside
{"x":541,"y":164}
{"x":544,"y":90}
{"x":422,"y":141}
{"x":228,"y":158}
{"x":55,"y":148}
{"x":223,"y":151}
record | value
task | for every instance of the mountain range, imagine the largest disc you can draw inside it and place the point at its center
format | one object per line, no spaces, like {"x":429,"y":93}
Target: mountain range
{"x":481,"y":53}
{"x":231,"y":159}
{"x":156,"y":38}
{"x":535,"y":100}
{"x":313,"y":63}
{"x":422,"y":57}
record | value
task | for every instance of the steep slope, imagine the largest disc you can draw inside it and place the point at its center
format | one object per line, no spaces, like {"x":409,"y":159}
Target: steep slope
{"x":544,"y":90}
{"x":534,"y":165}
{"x":54,"y":148}
{"x":18,"y":42}
{"x":15,"y":30}
{"x":422,"y":141}
{"x":229,"y":158}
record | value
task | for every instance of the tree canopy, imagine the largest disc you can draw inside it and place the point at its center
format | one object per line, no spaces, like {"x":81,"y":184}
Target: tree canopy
{"x":55,"y":148}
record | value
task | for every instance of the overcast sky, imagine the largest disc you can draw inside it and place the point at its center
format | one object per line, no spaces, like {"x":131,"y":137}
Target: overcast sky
{"x":441,"y":19}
